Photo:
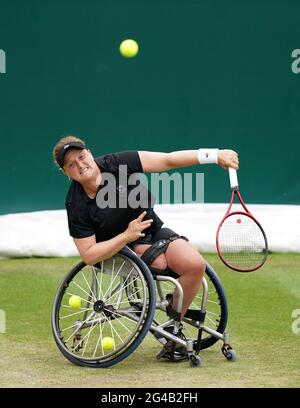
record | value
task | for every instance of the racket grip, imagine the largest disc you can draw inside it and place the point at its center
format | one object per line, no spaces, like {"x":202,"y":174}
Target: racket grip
{"x":233,"y":178}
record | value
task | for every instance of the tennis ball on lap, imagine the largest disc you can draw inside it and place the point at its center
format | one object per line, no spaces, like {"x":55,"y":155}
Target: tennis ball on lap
{"x":108,"y":343}
{"x":129,"y":48}
{"x":75,"y":301}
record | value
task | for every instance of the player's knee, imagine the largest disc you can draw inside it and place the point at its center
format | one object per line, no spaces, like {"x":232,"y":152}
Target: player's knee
{"x":196,"y":269}
{"x":160,"y":262}
{"x":202,"y":266}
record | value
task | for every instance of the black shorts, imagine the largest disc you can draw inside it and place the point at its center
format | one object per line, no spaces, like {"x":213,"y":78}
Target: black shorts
{"x":163,"y":233}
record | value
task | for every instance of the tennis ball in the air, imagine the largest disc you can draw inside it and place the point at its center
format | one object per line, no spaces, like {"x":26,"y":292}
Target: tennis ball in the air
{"x":75,"y":301}
{"x":108,"y":343}
{"x":129,"y":48}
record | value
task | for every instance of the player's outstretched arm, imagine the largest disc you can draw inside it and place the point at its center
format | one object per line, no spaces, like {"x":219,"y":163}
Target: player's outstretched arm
{"x":157,"y":161}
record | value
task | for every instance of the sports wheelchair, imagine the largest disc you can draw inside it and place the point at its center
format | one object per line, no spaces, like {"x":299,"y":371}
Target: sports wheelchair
{"x":122,"y":299}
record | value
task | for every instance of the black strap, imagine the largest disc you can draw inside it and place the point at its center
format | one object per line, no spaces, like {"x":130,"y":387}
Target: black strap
{"x":159,"y":247}
{"x":173,"y":314}
{"x":163,"y":272}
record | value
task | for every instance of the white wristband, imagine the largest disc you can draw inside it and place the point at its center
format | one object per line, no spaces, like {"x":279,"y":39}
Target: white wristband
{"x":208,"y":156}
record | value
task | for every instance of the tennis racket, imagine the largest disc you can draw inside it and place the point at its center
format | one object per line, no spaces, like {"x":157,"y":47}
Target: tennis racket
{"x":241,"y":241}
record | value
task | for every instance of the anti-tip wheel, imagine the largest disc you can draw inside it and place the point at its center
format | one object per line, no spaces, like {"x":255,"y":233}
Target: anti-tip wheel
{"x":231,"y":355}
{"x":195,"y":361}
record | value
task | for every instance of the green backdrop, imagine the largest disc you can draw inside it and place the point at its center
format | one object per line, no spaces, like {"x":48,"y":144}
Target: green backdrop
{"x":209,"y":73}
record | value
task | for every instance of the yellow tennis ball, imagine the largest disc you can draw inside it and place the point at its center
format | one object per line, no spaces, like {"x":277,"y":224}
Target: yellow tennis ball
{"x":108,"y":343}
{"x":75,"y":301}
{"x":129,"y":48}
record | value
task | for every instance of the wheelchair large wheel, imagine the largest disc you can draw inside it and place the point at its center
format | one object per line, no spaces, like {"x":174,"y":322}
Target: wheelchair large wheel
{"x":95,"y":322}
{"x":216,"y":309}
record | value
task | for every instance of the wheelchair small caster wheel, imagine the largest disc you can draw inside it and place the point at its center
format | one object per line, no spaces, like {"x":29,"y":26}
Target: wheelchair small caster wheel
{"x":231,"y":355}
{"x":195,"y":361}
{"x":228,"y":352}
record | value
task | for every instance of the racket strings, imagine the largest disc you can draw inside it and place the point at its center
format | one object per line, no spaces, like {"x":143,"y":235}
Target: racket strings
{"x":242,"y":244}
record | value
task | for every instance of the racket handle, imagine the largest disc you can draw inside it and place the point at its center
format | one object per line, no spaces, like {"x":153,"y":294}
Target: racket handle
{"x":233,"y":178}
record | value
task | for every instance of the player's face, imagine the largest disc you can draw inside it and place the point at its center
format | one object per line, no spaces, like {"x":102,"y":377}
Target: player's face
{"x":79,"y":165}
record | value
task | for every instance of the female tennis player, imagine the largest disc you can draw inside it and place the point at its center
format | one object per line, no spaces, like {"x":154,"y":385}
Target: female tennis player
{"x":100,"y":231}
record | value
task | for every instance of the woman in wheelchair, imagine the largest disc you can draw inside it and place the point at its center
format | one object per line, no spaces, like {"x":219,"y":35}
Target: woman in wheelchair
{"x":101,"y":225}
